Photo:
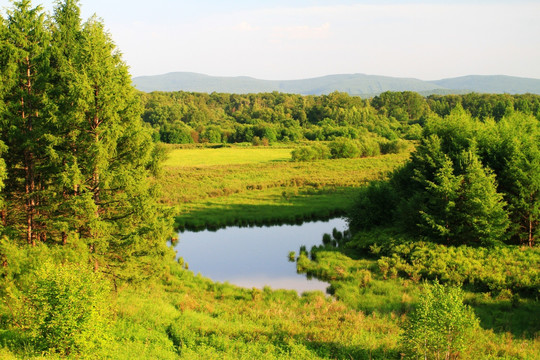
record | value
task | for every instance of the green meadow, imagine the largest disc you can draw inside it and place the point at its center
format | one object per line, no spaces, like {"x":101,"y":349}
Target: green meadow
{"x":207,"y":156}
{"x":260,"y":185}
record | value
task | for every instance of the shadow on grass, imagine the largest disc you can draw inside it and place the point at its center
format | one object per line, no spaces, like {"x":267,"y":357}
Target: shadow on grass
{"x":333,"y":350}
{"x":290,"y":209}
{"x":522,"y":320}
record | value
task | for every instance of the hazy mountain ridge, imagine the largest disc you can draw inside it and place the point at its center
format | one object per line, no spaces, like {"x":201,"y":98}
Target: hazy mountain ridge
{"x":354,"y":84}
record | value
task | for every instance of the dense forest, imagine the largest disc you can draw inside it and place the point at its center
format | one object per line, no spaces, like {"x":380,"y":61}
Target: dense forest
{"x":85,"y":268}
{"x":181,"y":117}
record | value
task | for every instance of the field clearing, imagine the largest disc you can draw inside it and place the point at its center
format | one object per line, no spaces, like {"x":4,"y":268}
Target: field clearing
{"x":226,"y":156}
{"x":263,"y":189}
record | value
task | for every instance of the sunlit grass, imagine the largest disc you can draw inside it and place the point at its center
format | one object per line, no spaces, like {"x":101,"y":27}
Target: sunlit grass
{"x":264,"y":190}
{"x":225,"y":156}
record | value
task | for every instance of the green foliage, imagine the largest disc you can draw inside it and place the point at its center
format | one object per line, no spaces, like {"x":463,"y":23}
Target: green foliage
{"x":311,"y":153}
{"x":468,"y":182}
{"x":271,"y":116}
{"x":404,"y":106}
{"x":66,"y":310}
{"x":344,"y":149}
{"x":481,"y":269}
{"x":440,"y":326}
{"x":78,"y":157}
{"x":374,"y":206}
{"x":464,"y":209}
{"x":393,"y":146}
{"x":174,"y":134}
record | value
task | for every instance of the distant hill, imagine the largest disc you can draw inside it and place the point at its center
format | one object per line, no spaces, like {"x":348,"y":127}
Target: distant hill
{"x":492,"y":84}
{"x":354,"y":84}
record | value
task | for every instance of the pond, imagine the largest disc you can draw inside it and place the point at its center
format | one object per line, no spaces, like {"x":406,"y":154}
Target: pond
{"x":255,"y":256}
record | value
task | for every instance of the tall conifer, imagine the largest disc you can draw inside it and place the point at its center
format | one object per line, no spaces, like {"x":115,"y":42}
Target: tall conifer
{"x":27,"y":115}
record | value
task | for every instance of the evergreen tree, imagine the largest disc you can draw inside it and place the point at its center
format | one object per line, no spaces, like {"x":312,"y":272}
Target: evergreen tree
{"x":516,"y":160}
{"x":439,"y":211}
{"x":79,"y":157}
{"x":481,"y":217}
{"x":118,"y":154}
{"x":27,"y":116}
{"x":67,"y":77}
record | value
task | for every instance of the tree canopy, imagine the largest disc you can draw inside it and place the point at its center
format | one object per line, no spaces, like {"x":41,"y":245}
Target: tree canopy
{"x":75,"y":155}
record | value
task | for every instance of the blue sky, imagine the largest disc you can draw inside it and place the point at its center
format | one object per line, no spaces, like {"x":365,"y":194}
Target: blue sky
{"x":307,"y":38}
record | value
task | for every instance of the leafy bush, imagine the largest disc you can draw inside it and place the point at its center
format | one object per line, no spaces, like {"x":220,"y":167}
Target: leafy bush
{"x":481,"y":269}
{"x":393,"y":146}
{"x":65,"y":310}
{"x":343,"y":148}
{"x":440,"y":325}
{"x":310,"y":153}
{"x":373,"y":207}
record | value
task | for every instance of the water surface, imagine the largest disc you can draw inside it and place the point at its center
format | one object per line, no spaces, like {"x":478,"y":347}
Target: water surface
{"x":254,"y":256}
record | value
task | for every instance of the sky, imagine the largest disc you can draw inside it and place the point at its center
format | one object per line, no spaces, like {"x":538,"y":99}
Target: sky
{"x":297,"y":39}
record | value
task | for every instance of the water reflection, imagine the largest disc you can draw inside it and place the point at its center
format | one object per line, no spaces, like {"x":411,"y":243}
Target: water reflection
{"x":254,"y":256}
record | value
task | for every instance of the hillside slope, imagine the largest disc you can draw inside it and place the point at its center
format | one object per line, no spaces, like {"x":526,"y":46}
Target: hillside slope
{"x":353,"y":84}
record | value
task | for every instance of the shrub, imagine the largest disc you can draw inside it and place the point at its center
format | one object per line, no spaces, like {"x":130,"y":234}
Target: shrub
{"x":393,"y":146}
{"x":326,"y":239}
{"x":66,"y":310}
{"x":440,"y":325}
{"x":373,"y":207}
{"x":343,"y":148}
{"x":310,"y":153}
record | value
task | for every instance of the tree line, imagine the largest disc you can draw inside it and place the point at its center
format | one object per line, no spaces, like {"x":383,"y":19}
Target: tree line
{"x":183,"y":117}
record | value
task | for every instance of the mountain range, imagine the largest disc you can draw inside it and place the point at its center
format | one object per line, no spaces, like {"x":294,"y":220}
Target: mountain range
{"x":353,"y":84}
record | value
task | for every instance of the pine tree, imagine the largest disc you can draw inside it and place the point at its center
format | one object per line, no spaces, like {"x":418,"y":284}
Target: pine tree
{"x":27,"y":116}
{"x":438,"y":212}
{"x":480,"y":215}
{"x":68,"y":93}
{"x":79,"y":156}
{"x":518,"y":167}
{"x":123,"y":222}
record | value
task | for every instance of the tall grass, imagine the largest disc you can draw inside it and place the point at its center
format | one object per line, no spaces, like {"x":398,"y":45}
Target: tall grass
{"x":214,"y":192}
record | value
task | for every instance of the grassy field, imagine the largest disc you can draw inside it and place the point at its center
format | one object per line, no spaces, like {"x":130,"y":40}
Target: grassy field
{"x":225,"y":156}
{"x":226,"y":186}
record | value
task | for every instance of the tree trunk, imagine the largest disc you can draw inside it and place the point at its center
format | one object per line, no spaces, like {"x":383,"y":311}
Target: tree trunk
{"x":30,"y":201}
{"x":29,"y":161}
{"x":95,"y":124}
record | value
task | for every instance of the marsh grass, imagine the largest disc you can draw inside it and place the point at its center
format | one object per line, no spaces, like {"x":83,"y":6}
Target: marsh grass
{"x":211,"y":190}
{"x":191,"y":317}
{"x":508,"y":328}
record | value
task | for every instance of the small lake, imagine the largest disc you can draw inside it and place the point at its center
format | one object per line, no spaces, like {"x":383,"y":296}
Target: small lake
{"x":255,"y":256}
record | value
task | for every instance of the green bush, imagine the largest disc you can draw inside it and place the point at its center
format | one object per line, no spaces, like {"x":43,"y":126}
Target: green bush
{"x":439,"y":327}
{"x":343,"y":148}
{"x":65,"y":310}
{"x":310,"y":153}
{"x":480,"y":269}
{"x":393,"y":146}
{"x":373,"y":207}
